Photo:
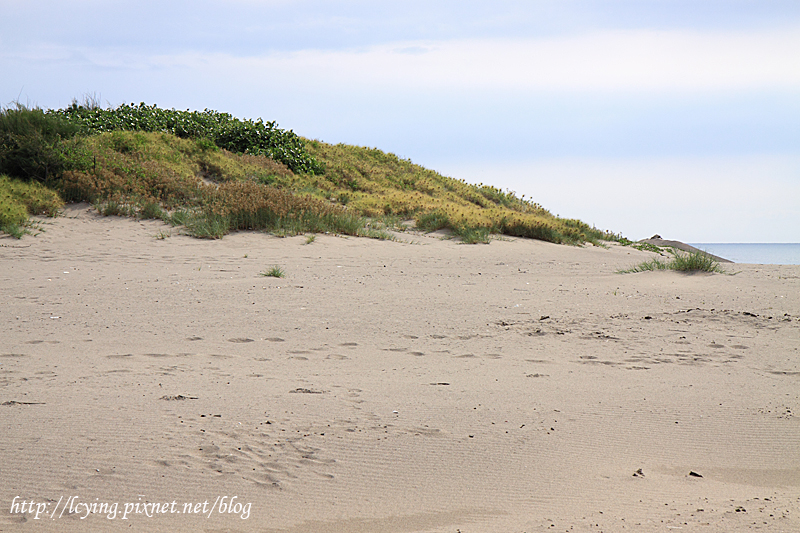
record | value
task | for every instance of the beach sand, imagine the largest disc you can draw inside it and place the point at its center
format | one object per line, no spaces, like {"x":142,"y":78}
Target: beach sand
{"x":389,"y":386}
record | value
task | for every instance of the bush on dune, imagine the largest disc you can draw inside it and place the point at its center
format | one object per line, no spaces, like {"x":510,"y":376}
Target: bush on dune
{"x":216,"y":174}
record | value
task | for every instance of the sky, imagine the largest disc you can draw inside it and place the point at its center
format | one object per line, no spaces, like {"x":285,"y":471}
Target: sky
{"x":680,"y":118}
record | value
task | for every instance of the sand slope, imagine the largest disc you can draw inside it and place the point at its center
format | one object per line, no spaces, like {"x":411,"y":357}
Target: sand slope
{"x":392,"y":387}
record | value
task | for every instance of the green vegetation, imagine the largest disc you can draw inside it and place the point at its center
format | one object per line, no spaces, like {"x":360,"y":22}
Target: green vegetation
{"x":212,"y":174}
{"x":377,"y":183}
{"x":641,"y":246}
{"x":682,"y":262}
{"x":33,"y":144}
{"x":209,"y":128}
{"x":20,"y":199}
{"x":274,"y":272}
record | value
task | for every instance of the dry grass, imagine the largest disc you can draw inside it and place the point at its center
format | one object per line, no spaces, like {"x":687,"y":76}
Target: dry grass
{"x":376,"y":183}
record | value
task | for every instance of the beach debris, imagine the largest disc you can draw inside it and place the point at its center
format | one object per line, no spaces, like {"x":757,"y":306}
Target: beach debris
{"x":694,"y":474}
{"x":14,"y":402}
{"x":178,"y":397}
{"x":544,"y":317}
{"x":638,"y":473}
{"x":440,"y":383}
{"x":301,"y":390}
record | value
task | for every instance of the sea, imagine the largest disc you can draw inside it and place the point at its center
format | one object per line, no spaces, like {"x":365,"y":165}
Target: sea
{"x":757,"y":253}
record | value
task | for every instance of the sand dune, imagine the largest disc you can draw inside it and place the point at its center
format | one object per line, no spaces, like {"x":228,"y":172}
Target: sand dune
{"x":390,"y":386}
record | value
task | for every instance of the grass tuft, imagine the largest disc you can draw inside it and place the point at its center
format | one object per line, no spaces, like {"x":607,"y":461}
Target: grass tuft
{"x":681,"y":262}
{"x":274,"y":272}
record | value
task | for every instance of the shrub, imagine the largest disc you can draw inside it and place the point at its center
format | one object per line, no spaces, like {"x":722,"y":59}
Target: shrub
{"x":30,"y":143}
{"x":209,"y":128}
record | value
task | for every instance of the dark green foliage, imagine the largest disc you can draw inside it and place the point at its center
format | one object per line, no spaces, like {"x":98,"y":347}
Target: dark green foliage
{"x":210,"y":128}
{"x":31,"y":146}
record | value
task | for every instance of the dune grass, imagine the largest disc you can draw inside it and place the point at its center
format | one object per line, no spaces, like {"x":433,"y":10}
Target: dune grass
{"x":377,"y":183}
{"x":681,"y":262}
{"x":274,"y":272}
{"x":20,"y":199}
{"x":140,"y":161}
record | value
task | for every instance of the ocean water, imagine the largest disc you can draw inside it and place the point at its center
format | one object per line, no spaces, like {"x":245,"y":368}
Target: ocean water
{"x":757,"y":253}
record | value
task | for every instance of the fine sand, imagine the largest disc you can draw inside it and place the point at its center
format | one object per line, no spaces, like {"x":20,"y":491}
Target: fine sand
{"x":389,"y":387}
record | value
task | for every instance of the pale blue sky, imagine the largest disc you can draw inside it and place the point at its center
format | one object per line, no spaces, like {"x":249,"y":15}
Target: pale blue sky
{"x":673,"y":117}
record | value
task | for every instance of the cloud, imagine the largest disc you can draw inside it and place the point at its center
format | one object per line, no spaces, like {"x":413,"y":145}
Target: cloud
{"x":602,"y":61}
{"x":621,"y":60}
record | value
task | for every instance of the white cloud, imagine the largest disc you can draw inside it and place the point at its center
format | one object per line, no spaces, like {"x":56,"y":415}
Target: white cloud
{"x":608,"y":61}
{"x":623,"y":60}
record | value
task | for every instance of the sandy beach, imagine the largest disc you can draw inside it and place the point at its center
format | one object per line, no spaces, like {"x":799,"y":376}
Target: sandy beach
{"x":394,"y":387}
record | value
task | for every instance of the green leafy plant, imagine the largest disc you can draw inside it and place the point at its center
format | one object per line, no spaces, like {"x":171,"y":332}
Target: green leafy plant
{"x":209,"y":128}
